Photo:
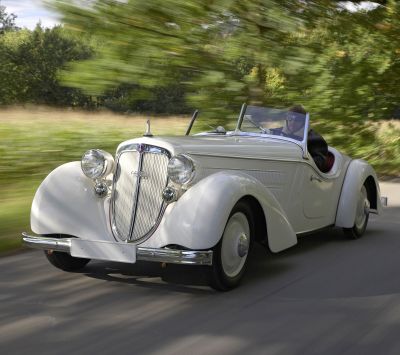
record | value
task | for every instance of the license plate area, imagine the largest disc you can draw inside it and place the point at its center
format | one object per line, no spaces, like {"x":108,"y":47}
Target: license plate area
{"x":100,"y":250}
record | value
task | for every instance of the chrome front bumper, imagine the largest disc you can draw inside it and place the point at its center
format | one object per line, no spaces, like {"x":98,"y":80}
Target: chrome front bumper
{"x":173,"y":256}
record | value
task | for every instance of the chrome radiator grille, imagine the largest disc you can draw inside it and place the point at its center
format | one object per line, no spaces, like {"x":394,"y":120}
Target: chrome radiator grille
{"x":140,"y":177}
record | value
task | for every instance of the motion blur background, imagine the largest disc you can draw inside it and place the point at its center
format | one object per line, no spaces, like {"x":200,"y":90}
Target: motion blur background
{"x":89,"y":73}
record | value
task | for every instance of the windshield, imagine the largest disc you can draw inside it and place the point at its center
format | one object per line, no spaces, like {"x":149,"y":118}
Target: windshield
{"x":271,"y":121}
{"x":208,"y":124}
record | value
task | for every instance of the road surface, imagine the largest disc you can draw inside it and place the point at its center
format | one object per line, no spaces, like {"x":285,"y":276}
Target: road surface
{"x":327,"y":295}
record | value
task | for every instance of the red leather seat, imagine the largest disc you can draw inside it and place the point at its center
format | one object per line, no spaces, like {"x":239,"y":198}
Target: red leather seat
{"x":330,"y":160}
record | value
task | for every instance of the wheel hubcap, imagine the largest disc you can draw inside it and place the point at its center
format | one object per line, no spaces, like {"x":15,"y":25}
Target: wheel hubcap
{"x":362,"y":208}
{"x":235,"y":244}
{"x":243,"y":245}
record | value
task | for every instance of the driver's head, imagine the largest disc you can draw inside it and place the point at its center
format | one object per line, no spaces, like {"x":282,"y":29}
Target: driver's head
{"x":295,"y":119}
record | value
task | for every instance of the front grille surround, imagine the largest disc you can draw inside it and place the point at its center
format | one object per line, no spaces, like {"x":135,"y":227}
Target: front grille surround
{"x":136,"y":203}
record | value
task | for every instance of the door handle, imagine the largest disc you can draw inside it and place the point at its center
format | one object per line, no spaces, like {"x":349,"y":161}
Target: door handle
{"x":316,"y":178}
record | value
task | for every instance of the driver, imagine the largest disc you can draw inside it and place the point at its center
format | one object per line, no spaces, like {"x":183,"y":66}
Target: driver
{"x":295,"y":121}
{"x":294,"y":128}
{"x":294,"y":124}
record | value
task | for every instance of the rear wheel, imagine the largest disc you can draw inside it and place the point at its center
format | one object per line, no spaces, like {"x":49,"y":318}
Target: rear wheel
{"x":362,"y":215}
{"x":230,"y":255}
{"x":65,"y":261}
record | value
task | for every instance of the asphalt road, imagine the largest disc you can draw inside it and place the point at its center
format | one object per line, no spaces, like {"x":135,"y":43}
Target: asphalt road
{"x":327,"y":295}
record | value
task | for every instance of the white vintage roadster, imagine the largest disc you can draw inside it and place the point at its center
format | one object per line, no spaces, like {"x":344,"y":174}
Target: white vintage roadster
{"x":201,"y":199}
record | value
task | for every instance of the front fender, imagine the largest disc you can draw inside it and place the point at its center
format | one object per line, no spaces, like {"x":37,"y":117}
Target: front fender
{"x":197,"y":220}
{"x":65,"y":203}
{"x":357,"y":173}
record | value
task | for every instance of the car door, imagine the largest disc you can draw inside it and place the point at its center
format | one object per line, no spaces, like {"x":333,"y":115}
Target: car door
{"x":321,"y":192}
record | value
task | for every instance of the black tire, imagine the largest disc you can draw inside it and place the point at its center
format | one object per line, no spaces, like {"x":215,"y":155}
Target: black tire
{"x":219,"y":278}
{"x":362,"y":216}
{"x":65,"y":261}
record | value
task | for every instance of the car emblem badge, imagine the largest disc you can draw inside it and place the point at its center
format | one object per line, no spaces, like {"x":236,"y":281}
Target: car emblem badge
{"x":140,"y":148}
{"x":140,"y":174}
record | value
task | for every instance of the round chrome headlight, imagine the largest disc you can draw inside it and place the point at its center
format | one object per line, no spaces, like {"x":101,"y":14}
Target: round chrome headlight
{"x":181,"y":169}
{"x":97,"y":163}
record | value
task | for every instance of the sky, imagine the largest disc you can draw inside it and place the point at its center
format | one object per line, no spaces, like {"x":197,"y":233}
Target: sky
{"x":363,"y":5}
{"x":30,"y":12}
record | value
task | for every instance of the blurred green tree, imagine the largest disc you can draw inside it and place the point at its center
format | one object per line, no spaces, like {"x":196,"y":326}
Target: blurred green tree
{"x":355,"y":67}
{"x":213,"y":45}
{"x":166,"y":56}
{"x":29,"y":63}
{"x":7,"y":21}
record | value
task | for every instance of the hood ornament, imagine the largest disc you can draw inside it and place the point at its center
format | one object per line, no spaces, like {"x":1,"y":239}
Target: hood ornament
{"x":148,"y":132}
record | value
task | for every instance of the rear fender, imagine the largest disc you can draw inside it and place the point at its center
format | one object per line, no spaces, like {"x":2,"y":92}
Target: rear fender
{"x":358,"y":172}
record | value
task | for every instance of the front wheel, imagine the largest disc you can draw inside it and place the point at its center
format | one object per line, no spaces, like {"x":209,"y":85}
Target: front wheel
{"x":230,"y":255}
{"x":362,"y":215}
{"x":65,"y":261}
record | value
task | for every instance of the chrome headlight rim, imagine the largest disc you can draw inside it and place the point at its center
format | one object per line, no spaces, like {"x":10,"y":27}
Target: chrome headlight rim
{"x":191,"y":171}
{"x":105,"y":163}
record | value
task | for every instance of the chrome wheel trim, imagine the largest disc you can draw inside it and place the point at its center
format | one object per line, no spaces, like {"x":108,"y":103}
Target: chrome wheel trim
{"x":235,"y":241}
{"x":362,"y":209}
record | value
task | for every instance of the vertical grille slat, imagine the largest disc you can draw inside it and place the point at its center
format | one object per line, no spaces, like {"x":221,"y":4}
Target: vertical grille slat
{"x":137,"y":203}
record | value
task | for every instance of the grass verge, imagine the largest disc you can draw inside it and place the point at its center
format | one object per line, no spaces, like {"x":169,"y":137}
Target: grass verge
{"x":35,"y":140}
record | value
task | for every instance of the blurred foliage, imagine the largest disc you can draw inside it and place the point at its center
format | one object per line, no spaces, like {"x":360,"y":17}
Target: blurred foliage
{"x":213,"y":45}
{"x":171,"y":56}
{"x":355,"y":68}
{"x":341,"y":65}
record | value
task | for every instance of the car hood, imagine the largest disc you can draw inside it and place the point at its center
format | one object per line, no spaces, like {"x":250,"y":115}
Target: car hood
{"x":235,"y":146}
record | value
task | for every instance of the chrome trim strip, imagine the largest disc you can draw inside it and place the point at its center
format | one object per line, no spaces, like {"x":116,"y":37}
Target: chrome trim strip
{"x":135,"y":197}
{"x":146,"y":148}
{"x":173,"y":256}
{"x":212,"y":155}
